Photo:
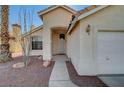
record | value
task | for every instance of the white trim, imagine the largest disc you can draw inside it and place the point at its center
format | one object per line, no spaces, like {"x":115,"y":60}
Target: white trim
{"x":72,"y":25}
{"x":109,"y":27}
{"x":69,"y":9}
{"x":52,"y":8}
{"x":37,"y":28}
{"x":33,"y":31}
{"x":47,"y":10}
{"x":36,"y":52}
{"x":92,"y":11}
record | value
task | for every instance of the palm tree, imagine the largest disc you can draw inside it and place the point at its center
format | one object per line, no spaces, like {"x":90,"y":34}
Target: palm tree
{"x":5,"y":54}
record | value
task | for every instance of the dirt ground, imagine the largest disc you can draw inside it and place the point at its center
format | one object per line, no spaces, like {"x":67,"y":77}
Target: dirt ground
{"x":83,"y":81}
{"x":35,"y":75}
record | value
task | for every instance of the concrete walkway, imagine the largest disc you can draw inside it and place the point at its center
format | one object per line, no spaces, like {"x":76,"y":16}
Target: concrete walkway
{"x":113,"y":80}
{"x":59,"y":76}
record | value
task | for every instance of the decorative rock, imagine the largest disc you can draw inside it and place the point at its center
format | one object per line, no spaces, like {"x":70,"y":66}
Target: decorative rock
{"x":40,"y":57}
{"x":16,"y":54}
{"x":19,"y":65}
{"x":46,"y":63}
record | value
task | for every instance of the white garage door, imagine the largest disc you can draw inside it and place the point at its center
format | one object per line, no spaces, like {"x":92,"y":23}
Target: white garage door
{"x":110,"y":52}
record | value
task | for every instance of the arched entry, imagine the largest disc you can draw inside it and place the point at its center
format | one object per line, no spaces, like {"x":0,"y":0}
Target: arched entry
{"x":58,"y":40}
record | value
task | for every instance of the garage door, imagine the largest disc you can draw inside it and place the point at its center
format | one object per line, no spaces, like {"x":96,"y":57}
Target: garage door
{"x":110,"y":52}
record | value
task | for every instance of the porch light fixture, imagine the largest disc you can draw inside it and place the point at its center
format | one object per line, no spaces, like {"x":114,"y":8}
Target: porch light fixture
{"x":88,"y":29}
{"x":62,"y":36}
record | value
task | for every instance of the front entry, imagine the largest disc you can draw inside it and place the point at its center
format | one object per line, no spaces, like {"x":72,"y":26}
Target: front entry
{"x":58,"y":42}
{"x":61,"y":43}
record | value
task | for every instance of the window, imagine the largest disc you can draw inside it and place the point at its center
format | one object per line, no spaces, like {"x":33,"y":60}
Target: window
{"x":37,"y":43}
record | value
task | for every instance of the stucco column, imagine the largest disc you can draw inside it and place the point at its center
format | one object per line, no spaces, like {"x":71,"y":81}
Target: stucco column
{"x":47,"y":54}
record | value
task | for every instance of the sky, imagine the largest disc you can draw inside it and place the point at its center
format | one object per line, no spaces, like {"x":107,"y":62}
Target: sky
{"x":14,"y":12}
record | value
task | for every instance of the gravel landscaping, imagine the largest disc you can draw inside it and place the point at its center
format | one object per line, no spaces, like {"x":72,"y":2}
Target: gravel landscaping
{"x":34,"y":75}
{"x":83,"y":81}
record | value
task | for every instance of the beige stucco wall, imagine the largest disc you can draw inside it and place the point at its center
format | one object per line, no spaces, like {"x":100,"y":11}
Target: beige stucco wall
{"x":56,"y":18}
{"x":109,"y":17}
{"x":55,"y":43}
{"x":73,"y":46}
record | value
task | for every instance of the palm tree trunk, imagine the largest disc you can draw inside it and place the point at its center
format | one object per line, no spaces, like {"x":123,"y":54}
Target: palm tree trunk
{"x":5,"y":54}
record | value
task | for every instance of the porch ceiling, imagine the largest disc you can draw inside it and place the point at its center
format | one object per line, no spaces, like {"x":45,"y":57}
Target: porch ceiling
{"x":59,"y":29}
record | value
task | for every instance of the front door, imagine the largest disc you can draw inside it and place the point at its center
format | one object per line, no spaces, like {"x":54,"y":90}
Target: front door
{"x":61,"y":44}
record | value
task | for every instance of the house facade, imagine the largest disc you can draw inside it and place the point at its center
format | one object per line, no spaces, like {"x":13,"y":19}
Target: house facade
{"x":91,"y":38}
{"x":50,"y":38}
{"x":100,"y":46}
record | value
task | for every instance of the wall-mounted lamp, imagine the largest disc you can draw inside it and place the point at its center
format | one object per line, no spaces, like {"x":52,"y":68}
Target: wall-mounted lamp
{"x":88,"y":29}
